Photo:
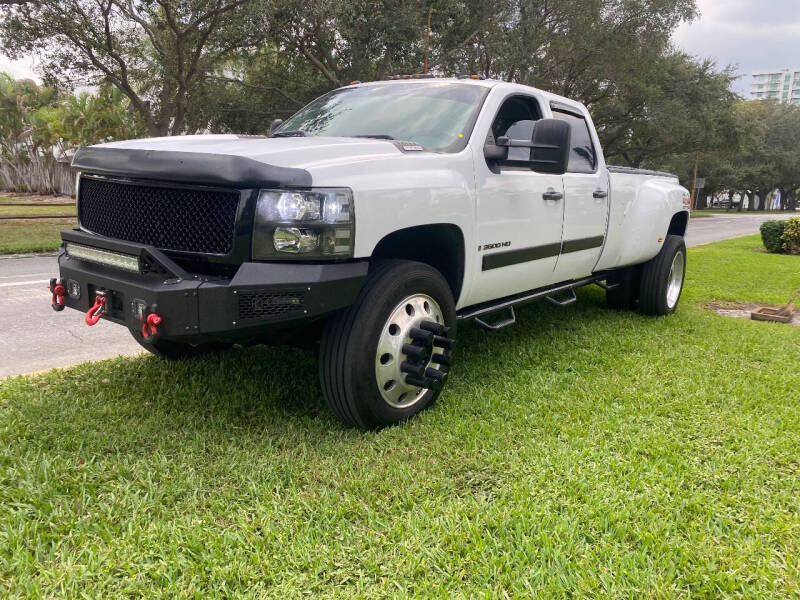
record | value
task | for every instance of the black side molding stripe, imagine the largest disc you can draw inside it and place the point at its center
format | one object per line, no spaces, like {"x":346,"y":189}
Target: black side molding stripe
{"x":582,"y":244}
{"x":513,"y":257}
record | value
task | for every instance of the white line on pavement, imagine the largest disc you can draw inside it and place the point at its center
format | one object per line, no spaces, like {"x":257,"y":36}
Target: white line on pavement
{"x":25,"y":275}
{"x":16,"y":283}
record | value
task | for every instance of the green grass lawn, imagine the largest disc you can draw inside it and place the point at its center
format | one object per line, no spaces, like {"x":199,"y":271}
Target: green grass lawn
{"x":36,"y":210}
{"x":36,"y":199}
{"x":32,"y":235}
{"x":582,"y":453}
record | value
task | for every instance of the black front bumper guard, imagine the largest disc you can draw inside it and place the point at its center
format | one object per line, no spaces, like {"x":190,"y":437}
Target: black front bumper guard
{"x":260,"y":297}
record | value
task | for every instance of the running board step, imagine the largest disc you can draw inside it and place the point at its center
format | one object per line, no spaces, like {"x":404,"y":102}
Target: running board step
{"x":550,"y":292}
{"x":571,"y":297}
{"x":607,"y":286}
{"x":509,"y":320}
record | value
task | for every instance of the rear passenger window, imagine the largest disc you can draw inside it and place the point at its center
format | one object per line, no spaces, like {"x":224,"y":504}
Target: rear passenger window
{"x":582,"y":157}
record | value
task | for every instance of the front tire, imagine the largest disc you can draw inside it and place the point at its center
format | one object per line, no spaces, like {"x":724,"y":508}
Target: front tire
{"x":365,"y":357}
{"x":663,"y":277}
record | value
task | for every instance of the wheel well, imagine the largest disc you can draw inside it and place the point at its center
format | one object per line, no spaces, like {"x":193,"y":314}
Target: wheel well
{"x":440,"y":246}
{"x":678,"y":224}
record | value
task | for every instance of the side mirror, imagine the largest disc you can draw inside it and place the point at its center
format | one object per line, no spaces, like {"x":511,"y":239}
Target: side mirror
{"x":274,"y":125}
{"x":495,"y":153}
{"x":550,"y":144}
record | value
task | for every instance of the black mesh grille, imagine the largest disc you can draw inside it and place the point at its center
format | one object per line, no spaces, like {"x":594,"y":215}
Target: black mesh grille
{"x":263,"y":305}
{"x":185,"y":219}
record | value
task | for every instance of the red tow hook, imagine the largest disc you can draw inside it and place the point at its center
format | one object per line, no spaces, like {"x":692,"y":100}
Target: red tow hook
{"x":150,"y":324}
{"x":58,"y":291}
{"x":96,"y":311}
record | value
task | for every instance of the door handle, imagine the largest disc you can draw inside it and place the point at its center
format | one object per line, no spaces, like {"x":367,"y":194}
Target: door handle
{"x":600,"y":194}
{"x":551,"y":194}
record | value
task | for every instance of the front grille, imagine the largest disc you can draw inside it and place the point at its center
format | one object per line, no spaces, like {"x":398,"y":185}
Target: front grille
{"x":264,"y":305}
{"x":183,"y":219}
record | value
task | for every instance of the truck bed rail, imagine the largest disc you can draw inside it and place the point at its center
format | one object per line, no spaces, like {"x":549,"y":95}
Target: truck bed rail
{"x":635,"y":171}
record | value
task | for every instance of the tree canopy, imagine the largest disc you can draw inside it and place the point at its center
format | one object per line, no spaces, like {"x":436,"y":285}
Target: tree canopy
{"x":235,"y":65}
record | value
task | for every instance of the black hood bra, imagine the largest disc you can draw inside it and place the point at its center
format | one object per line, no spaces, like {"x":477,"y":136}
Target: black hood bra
{"x":188,"y":167}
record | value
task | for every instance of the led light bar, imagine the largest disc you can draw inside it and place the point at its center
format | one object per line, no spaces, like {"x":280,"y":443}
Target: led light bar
{"x":126,"y":262}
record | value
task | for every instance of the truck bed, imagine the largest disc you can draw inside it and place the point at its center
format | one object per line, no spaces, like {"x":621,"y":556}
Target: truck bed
{"x":642,"y":202}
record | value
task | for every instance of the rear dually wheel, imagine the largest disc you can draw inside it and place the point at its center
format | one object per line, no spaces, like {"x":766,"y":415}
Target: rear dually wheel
{"x":663,"y":278}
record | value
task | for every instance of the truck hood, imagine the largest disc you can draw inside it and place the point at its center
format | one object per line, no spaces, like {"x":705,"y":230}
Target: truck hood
{"x":293,"y":152}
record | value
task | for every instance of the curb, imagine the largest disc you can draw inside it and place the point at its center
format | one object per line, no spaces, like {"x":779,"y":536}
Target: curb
{"x":29,"y":255}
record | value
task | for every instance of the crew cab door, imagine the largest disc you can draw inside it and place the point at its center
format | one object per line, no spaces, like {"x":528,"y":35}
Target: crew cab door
{"x":586,"y":192}
{"x":519,"y":212}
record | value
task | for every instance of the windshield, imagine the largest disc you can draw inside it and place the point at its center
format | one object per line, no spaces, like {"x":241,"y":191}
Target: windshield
{"x":438,"y":116}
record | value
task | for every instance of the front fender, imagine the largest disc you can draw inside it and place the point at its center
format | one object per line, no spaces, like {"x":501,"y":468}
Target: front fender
{"x":394,"y":193}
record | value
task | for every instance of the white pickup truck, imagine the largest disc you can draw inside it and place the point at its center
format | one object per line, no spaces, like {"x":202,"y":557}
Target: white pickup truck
{"x":375,"y":218}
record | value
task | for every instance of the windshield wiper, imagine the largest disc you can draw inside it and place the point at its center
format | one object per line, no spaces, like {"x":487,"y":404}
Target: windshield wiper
{"x":375,"y":136}
{"x":290,"y":133}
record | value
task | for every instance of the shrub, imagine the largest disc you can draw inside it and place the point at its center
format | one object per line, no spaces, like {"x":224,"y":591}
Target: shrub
{"x":791,"y":236}
{"x":771,"y":234}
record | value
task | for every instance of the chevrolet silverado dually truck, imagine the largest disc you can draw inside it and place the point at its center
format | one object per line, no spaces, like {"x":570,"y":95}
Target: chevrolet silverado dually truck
{"x":377,"y":217}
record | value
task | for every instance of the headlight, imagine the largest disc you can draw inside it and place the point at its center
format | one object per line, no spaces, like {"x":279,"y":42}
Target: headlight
{"x":307,"y":224}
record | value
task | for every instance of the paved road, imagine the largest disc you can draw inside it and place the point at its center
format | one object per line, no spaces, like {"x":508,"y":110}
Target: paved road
{"x":35,"y":338}
{"x":721,"y":227}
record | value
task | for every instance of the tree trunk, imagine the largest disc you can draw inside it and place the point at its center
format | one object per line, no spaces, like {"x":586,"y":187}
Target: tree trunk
{"x":730,"y":200}
{"x":791,"y":200}
{"x":751,"y":201}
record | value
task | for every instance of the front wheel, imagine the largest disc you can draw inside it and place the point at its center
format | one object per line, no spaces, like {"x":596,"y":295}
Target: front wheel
{"x":386,"y":357}
{"x":663,"y":277}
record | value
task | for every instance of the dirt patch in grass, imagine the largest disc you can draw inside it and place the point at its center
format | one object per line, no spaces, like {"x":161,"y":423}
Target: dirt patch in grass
{"x":742,"y":310}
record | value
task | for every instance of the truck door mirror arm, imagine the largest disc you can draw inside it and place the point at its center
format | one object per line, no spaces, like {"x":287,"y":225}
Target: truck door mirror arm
{"x":495,"y":152}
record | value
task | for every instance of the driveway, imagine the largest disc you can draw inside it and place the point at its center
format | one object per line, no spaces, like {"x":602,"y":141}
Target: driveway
{"x":36,"y":338}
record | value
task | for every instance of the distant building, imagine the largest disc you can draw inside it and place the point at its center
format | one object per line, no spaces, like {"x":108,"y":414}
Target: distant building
{"x":783,"y":86}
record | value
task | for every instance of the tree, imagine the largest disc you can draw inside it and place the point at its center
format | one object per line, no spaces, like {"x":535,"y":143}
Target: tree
{"x":156,"y":52}
{"x":783,"y":132}
{"x":648,"y":101}
{"x":40,"y":126}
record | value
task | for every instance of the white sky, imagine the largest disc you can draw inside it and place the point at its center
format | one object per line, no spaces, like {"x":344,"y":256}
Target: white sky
{"x":19,"y":69}
{"x":753,"y":35}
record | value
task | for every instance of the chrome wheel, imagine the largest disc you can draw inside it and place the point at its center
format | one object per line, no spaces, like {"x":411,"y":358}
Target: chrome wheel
{"x":401,"y":355}
{"x":675,"y":279}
